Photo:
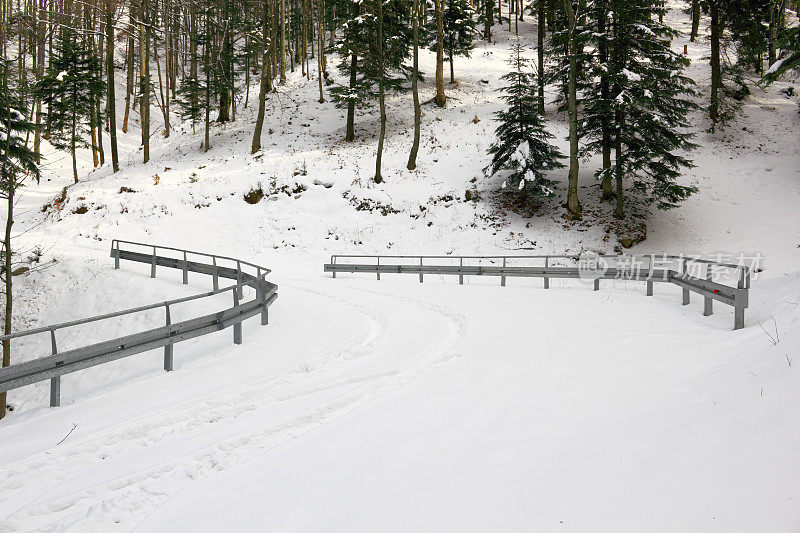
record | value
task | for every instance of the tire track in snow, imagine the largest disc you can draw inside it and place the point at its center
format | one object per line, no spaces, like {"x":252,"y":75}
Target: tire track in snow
{"x":129,"y":498}
{"x":189,"y":416}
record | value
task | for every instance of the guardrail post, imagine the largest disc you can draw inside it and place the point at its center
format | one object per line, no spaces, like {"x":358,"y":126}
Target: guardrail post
{"x":261,"y":294}
{"x":237,"y":327}
{"x":708,"y":303}
{"x":460,"y":275}
{"x":215,"y":273}
{"x":185,"y":270}
{"x":685,"y":290}
{"x":738,"y":315}
{"x":239,"y":287}
{"x":153,"y":264}
{"x":650,"y":277}
{"x":168,"y":348}
{"x":379,"y":268}
{"x":333,"y":264}
{"x":55,"y":382}
{"x":503,"y":277}
{"x":420,"y":274}
{"x":546,"y":279}
{"x":116,"y":257}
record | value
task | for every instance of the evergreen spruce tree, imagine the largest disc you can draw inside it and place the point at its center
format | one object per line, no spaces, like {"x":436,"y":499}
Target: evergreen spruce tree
{"x":70,"y":85}
{"x":190,"y":95}
{"x":522,"y":147}
{"x":17,"y":162}
{"x":556,"y":71}
{"x":790,"y":44}
{"x":459,"y":31}
{"x":370,"y":59}
{"x":650,"y":101}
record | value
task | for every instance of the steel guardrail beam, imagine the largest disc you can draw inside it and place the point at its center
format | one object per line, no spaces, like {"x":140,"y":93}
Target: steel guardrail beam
{"x":653,"y":268}
{"x":54,"y":366}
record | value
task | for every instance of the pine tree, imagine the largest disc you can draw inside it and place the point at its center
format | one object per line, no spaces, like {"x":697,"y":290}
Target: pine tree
{"x":790,"y":43}
{"x":650,"y":101}
{"x":17,"y":162}
{"x":459,"y":29}
{"x":522,"y":147}
{"x":370,"y":60}
{"x":190,"y":94}
{"x":69,"y":87}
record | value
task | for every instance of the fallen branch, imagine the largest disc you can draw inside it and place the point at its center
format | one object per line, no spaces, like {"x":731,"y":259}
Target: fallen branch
{"x":74,"y":425}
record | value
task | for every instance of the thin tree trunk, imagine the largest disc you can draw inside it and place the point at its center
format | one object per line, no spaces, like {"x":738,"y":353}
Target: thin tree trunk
{"x":320,"y":47}
{"x":487,"y":20}
{"x":144,"y":67}
{"x":573,"y":205}
{"x":412,"y":157}
{"x":111,"y":100}
{"x":194,"y":72}
{"x":72,"y":140}
{"x":695,"y":20}
{"x":7,"y":250}
{"x":540,"y":51}
{"x":452,"y":72}
{"x":350,"y":131}
{"x":283,"y":41}
{"x":207,"y":68}
{"x":605,"y":90}
{"x":129,"y":84}
{"x":41,"y":29}
{"x":440,"y":98}
{"x":381,"y":93}
{"x":618,"y":168}
{"x":265,"y":81}
{"x":716,"y":67}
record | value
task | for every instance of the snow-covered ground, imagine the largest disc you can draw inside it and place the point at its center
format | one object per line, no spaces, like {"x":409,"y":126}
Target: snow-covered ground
{"x":395,"y":405}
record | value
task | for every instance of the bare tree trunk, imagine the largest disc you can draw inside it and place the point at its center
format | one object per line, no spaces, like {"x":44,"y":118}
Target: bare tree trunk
{"x":320,"y":47}
{"x":41,"y":29}
{"x":265,"y":80}
{"x":716,"y":67}
{"x":144,"y":67}
{"x":7,"y":251}
{"x":111,"y":101}
{"x":605,"y":91}
{"x":283,"y":41}
{"x":487,"y":19}
{"x":695,"y":20}
{"x":207,"y":68}
{"x":350,"y":132}
{"x":412,"y":157}
{"x":440,"y":98}
{"x":129,"y":83}
{"x":194,"y":72}
{"x":381,"y":93}
{"x":618,"y":168}
{"x":167,"y":56}
{"x":540,"y":51}
{"x":573,"y":205}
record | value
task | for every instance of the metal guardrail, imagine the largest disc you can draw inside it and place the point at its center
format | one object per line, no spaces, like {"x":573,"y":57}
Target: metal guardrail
{"x":651,"y":268}
{"x":57,"y":364}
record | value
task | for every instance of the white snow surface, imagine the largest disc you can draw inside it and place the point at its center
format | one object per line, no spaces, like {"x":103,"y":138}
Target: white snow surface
{"x":392,"y":405}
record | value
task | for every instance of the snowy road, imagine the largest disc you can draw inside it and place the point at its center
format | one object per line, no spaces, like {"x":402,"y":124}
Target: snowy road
{"x":399,"y":406}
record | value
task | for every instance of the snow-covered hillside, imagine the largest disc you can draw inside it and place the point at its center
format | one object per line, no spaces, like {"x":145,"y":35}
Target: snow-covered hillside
{"x":395,"y":405}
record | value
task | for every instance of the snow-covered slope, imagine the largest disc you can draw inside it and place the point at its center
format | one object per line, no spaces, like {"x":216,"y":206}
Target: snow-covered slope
{"x":392,"y":405}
